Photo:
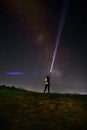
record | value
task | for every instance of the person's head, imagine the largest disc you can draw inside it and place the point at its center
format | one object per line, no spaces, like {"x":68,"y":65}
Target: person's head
{"x":48,"y":77}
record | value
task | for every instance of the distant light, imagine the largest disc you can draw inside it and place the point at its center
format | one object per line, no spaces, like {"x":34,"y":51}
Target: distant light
{"x":14,"y":73}
{"x":35,"y":72}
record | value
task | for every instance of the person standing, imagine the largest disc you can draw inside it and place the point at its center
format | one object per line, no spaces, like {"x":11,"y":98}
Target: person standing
{"x":47,"y":84}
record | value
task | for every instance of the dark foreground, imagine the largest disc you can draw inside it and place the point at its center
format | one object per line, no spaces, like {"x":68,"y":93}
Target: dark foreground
{"x":23,"y":110}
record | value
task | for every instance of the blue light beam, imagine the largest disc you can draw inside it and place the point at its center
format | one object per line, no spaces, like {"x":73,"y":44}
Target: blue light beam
{"x":15,"y":73}
{"x":60,"y":28}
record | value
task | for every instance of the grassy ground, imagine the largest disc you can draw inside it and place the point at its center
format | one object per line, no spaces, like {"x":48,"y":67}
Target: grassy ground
{"x":23,"y":110}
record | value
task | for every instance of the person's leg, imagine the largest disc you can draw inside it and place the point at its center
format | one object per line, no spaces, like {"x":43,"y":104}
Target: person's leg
{"x":45,"y":88}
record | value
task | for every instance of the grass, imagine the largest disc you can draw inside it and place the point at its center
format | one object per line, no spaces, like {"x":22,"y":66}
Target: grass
{"x":24,"y":110}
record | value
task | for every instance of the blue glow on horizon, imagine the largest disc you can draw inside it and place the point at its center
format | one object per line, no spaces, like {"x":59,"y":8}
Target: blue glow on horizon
{"x":15,"y":73}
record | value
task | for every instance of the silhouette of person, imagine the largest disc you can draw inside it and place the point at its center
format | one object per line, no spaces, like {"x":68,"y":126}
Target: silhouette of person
{"x":47,"y":84}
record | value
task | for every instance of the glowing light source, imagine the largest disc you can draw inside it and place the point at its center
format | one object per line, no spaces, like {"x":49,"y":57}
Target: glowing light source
{"x":61,"y":23}
{"x":14,"y":73}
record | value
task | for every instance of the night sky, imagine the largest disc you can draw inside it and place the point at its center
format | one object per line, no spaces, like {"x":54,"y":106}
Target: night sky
{"x":28,"y":32}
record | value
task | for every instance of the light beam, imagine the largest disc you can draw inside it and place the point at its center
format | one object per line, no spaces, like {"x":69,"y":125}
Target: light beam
{"x":60,"y":28}
{"x":15,"y":73}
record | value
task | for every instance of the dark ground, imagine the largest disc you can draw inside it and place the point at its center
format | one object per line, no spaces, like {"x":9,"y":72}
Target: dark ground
{"x":24,"y":110}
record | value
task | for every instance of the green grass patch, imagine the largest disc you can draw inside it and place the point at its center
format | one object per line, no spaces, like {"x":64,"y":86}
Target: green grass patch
{"x":20,"y":109}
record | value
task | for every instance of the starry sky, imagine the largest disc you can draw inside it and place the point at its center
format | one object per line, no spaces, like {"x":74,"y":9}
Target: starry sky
{"x":28,"y":32}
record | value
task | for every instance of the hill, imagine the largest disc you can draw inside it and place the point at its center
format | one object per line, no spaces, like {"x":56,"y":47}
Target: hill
{"x":24,"y":110}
